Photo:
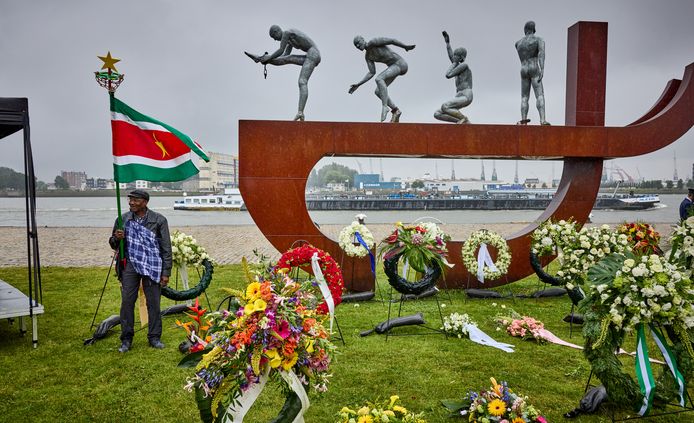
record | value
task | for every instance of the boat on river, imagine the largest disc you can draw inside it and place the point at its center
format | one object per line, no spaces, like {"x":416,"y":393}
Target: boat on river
{"x":230,"y":200}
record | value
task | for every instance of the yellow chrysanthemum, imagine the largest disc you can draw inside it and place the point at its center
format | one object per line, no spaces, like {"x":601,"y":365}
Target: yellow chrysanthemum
{"x":400,"y":409}
{"x":365,"y":419}
{"x":253,"y":291}
{"x":497,"y":407}
{"x":518,"y":420}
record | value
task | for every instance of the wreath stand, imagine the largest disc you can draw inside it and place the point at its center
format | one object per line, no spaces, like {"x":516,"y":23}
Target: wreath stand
{"x":507,"y":293}
{"x":688,"y":408}
{"x":403,"y":298}
{"x":295,"y":275}
{"x":380,"y":293}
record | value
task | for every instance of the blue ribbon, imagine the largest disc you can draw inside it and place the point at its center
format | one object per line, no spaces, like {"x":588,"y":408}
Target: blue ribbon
{"x":371,"y":255}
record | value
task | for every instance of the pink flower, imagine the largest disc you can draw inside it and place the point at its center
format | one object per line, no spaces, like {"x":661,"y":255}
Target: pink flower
{"x":541,"y":419}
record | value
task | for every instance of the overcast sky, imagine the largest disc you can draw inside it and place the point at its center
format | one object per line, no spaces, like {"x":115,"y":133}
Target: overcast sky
{"x":184,"y":65}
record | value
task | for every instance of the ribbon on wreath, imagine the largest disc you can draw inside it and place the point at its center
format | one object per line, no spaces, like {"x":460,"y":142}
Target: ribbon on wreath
{"x":357,"y":235}
{"x":239,"y":407}
{"x":484,"y":259}
{"x":478,"y":336}
{"x":644,"y":374}
{"x":323,"y":286}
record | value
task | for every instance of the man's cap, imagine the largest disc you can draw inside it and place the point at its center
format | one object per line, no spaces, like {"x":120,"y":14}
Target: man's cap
{"x":691,"y":190}
{"x":139,"y":193}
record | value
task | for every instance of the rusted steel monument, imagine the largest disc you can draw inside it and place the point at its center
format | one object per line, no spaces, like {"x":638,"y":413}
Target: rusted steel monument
{"x":276,"y":157}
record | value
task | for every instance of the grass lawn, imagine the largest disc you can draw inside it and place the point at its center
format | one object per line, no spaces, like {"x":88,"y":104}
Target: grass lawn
{"x":62,"y":380}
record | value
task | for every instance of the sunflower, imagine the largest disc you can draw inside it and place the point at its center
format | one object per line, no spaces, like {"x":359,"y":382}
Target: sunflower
{"x":518,"y":420}
{"x":496,"y":407}
{"x":365,"y":419}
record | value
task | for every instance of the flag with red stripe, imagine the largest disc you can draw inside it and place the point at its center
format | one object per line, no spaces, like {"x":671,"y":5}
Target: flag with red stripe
{"x":150,"y":150}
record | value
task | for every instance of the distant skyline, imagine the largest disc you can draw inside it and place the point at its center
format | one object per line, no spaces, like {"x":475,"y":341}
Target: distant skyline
{"x":186,"y":67}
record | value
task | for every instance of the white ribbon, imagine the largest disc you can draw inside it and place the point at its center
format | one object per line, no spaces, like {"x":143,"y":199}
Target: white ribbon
{"x":296,"y":386}
{"x":560,"y":255}
{"x":476,"y":335}
{"x":183,"y":271}
{"x":327,"y":295}
{"x":239,"y":407}
{"x":405,"y":267}
{"x":484,"y":259}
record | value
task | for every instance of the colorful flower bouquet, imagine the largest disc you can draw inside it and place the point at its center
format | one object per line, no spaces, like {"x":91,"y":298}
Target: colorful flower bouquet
{"x":498,"y":404}
{"x":377,"y":412}
{"x":420,"y":245}
{"x":275,"y":331}
{"x":643,"y":238}
{"x":525,"y":327}
{"x":196,"y":329}
{"x":186,"y":251}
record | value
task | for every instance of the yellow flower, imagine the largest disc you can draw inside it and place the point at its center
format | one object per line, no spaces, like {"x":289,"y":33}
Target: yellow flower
{"x":497,"y":407}
{"x":393,"y":398}
{"x":259,"y":305}
{"x":252,"y":291}
{"x":400,"y":409}
{"x":289,"y":362}
{"x":347,"y":410}
{"x":249,"y":308}
{"x":274,"y":357}
{"x":389,"y":413}
{"x":365,"y":419}
{"x":363,"y":411}
{"x":518,"y":420}
{"x":309,"y":345}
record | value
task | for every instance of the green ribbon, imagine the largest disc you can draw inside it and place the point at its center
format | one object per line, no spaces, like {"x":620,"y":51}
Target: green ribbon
{"x":644,"y":374}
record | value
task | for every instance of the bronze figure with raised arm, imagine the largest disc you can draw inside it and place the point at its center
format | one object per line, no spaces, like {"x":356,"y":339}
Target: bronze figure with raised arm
{"x":450,"y":110}
{"x":531,"y":51}
{"x":377,"y":50}
{"x":290,"y":39}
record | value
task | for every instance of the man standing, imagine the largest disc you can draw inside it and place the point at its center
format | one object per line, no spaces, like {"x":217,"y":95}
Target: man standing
{"x":686,"y":209}
{"x":377,"y":51}
{"x":289,"y":40}
{"x":450,"y":110}
{"x":531,"y":51}
{"x":147,"y":260}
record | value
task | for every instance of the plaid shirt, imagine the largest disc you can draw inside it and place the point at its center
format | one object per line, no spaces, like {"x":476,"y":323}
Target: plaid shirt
{"x":148,"y":236}
{"x":143,"y":250}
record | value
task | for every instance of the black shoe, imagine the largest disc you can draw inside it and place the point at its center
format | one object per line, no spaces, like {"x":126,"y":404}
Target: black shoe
{"x":124,"y":347}
{"x":156,"y":343}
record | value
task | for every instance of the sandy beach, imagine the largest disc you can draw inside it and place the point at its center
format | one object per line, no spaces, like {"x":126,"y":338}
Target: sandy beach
{"x":84,"y":247}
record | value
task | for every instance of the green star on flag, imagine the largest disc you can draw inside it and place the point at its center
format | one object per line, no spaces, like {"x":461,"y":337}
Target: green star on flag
{"x":150,"y":150}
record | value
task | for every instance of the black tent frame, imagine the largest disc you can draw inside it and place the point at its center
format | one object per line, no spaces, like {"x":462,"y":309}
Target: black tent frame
{"x":14,"y":116}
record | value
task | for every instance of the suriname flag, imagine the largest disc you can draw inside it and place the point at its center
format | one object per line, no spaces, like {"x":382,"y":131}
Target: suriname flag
{"x":147,"y":149}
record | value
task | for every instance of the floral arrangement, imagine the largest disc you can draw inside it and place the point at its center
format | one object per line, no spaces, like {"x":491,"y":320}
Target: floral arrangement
{"x":420,"y":245}
{"x":524,"y":327}
{"x":642,"y":237}
{"x":456,"y":324}
{"x":682,"y":242}
{"x":550,"y":237}
{"x":196,"y":329}
{"x":628,"y":290}
{"x":503,"y":258}
{"x":185,"y":250}
{"x":628,"y":293}
{"x":376,"y":412}
{"x":498,"y":404}
{"x":347,"y":237}
{"x":301,"y":256}
{"x":276,"y":328}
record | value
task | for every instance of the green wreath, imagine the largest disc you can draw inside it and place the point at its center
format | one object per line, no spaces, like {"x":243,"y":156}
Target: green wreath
{"x":603,"y":338}
{"x":195,"y":291}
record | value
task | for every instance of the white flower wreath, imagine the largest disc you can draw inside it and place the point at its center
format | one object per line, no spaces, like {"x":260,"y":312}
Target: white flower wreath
{"x":185,"y":250}
{"x":346,"y":239}
{"x":503,"y":256}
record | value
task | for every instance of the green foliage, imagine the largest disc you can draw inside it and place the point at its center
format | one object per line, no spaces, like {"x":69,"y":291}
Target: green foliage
{"x":50,"y":383}
{"x":61,"y":183}
{"x":417,"y":184}
{"x":335,"y":173}
{"x":9,"y":179}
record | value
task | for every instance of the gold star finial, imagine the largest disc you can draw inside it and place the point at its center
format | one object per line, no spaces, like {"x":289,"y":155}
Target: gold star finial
{"x":109,"y":62}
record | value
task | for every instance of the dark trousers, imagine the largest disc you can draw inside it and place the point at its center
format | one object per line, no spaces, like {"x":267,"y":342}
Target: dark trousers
{"x":129,"y":289}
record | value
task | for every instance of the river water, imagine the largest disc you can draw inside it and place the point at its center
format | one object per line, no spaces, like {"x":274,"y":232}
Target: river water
{"x":101,"y":212}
